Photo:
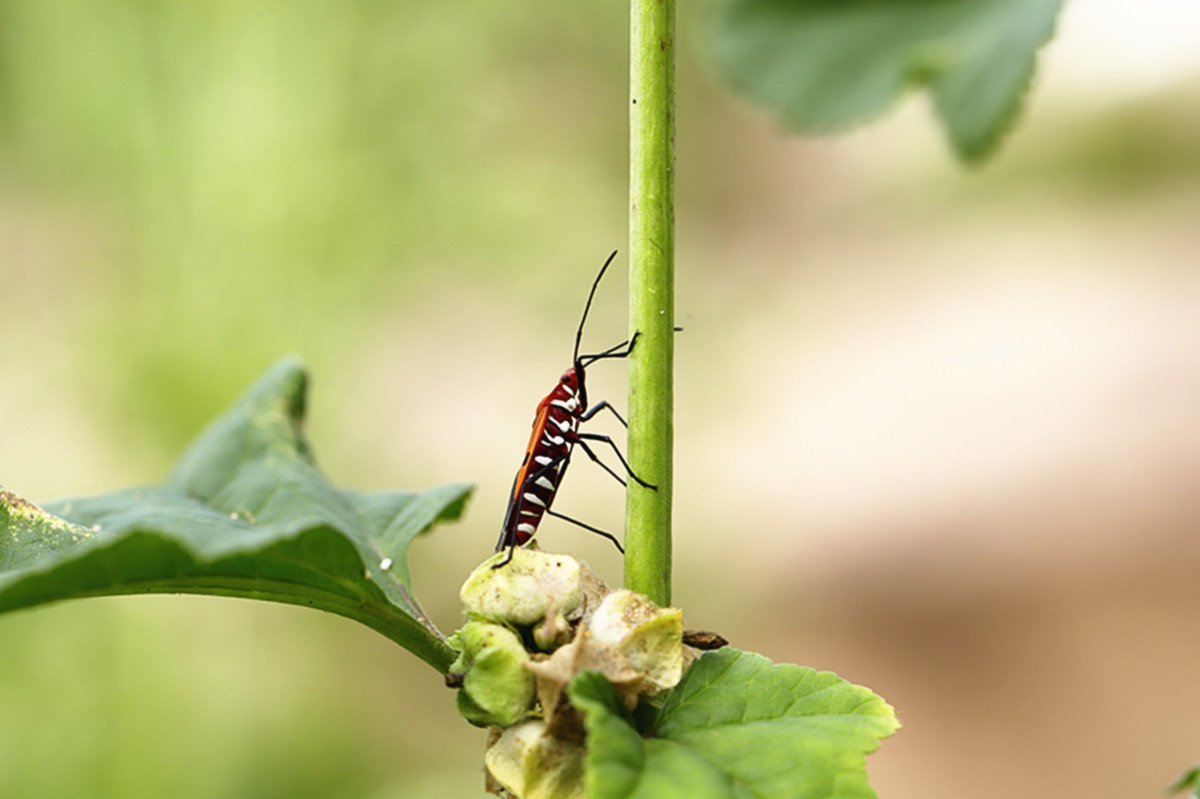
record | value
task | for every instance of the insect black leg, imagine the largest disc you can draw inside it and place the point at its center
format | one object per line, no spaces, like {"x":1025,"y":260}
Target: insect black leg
{"x":603,"y":465}
{"x":616,"y":350}
{"x":621,"y":350}
{"x":508,"y":558}
{"x":595,"y":530}
{"x":599,"y":406}
{"x":605,"y":439}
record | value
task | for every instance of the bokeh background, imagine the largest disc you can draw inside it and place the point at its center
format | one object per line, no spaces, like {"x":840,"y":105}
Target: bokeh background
{"x":938,"y":429}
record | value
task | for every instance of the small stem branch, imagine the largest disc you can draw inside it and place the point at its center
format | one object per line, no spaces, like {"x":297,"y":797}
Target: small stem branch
{"x":651,"y":295}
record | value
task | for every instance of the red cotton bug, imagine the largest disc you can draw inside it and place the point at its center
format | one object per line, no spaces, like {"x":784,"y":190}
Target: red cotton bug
{"x":554,"y":436}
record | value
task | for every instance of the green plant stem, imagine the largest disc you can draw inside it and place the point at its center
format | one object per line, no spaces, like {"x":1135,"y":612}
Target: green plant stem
{"x":651,"y":295}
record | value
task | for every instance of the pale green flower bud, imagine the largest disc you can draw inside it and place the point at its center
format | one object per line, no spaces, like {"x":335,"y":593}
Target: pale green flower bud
{"x":650,"y":637}
{"x":496,"y":686}
{"x":525,"y":591}
{"x":530,"y":764}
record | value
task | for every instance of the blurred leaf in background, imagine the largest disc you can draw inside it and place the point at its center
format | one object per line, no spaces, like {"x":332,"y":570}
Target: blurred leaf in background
{"x":826,"y":65}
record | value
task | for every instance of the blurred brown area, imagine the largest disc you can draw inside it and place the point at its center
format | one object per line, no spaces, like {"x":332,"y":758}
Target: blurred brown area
{"x":936,"y":428}
{"x":965,"y":472}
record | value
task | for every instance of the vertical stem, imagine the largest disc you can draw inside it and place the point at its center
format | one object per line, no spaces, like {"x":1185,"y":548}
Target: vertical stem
{"x":651,"y":295}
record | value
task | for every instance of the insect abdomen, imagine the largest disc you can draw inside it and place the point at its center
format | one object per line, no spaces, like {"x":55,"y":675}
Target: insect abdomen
{"x":531,"y":500}
{"x":538,"y":479}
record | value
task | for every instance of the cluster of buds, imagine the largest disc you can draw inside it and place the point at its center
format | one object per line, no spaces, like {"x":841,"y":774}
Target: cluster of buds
{"x":532,"y":626}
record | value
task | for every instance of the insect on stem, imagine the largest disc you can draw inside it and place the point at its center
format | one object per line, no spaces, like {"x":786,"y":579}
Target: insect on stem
{"x":552,"y":441}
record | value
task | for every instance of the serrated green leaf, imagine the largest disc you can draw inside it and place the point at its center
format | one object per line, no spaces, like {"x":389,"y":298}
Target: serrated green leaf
{"x":737,"y":726}
{"x":246,"y":513}
{"x":826,"y":65}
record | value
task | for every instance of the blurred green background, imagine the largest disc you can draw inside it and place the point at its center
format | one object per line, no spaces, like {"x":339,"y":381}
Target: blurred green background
{"x":936,"y":429}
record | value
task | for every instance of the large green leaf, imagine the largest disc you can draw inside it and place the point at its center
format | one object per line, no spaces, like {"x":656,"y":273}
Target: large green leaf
{"x":737,"y":726}
{"x":825,"y":65}
{"x":246,"y":513}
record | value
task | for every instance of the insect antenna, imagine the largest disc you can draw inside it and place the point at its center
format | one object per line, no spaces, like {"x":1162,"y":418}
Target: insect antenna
{"x":587,"y":307}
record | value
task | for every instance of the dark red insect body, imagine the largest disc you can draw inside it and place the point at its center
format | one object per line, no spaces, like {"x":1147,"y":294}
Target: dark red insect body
{"x":554,"y":433}
{"x":553,"y":438}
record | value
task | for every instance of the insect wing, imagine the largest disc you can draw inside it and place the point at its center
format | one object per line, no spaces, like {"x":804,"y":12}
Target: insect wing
{"x":539,"y":429}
